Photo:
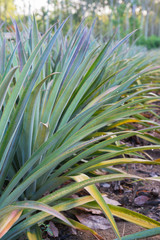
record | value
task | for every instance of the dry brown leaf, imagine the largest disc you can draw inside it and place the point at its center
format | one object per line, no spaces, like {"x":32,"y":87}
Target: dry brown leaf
{"x":110,"y":201}
{"x":91,"y":210}
{"x":93,"y":221}
{"x":141,"y":200}
{"x":52,"y":230}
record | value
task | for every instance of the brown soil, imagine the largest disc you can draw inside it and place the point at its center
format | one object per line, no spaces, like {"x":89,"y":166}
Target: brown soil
{"x":125,"y":228}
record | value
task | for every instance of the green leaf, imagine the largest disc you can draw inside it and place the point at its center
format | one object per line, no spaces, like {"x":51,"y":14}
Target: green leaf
{"x":36,"y":206}
{"x":143,"y":234}
{"x":5,"y":85}
{"x":120,"y":161}
{"x":23,"y":101}
{"x":128,"y":215}
{"x":19,"y":84}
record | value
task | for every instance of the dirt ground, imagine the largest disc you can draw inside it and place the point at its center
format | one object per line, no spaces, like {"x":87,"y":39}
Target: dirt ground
{"x":125,"y":228}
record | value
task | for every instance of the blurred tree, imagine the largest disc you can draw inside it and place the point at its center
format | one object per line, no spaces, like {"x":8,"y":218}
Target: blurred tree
{"x":42,"y":19}
{"x":123,"y":15}
{"x":7,"y":9}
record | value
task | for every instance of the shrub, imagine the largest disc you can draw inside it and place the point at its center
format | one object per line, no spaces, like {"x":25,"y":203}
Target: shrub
{"x":150,"y":43}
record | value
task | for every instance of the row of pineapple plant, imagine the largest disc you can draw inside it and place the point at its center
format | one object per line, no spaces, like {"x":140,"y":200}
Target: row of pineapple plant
{"x":65,"y":107}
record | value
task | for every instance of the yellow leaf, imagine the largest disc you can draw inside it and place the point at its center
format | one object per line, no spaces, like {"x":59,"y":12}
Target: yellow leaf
{"x":94,"y":192}
{"x":8,"y":220}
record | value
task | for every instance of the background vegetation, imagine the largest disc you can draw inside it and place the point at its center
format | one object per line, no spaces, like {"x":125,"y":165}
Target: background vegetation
{"x":123,"y":16}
